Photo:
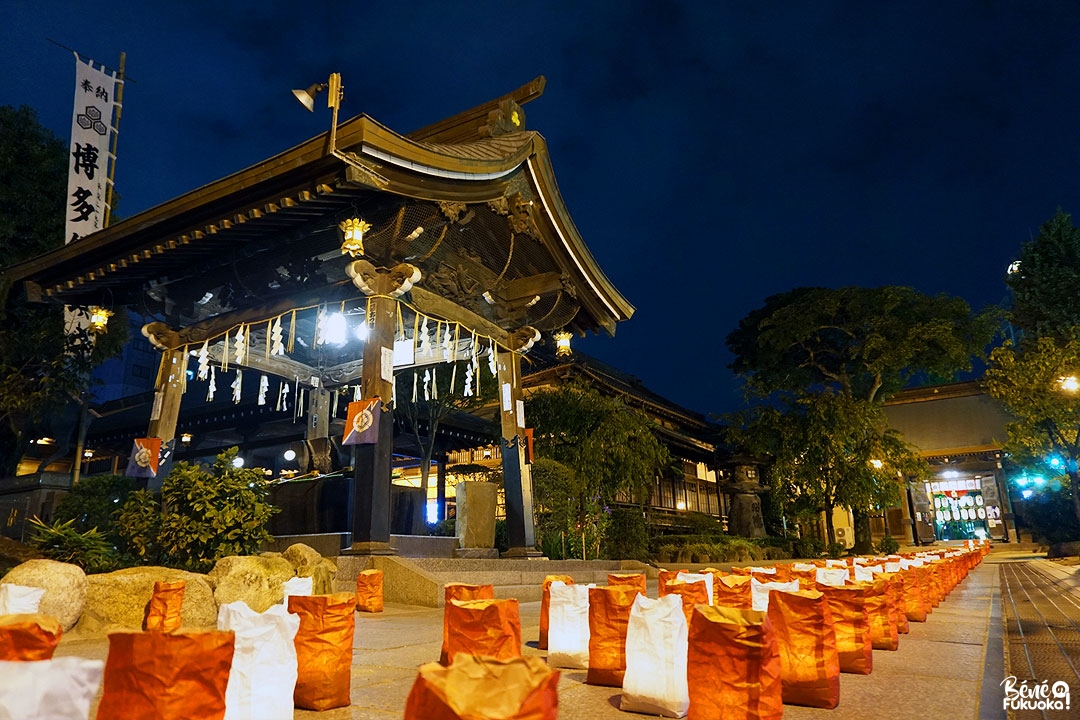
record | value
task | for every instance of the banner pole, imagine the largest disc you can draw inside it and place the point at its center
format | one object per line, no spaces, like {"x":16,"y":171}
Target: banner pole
{"x":118,"y":108}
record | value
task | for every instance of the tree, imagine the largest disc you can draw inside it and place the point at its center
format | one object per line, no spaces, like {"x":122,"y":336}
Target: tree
{"x":42,"y":368}
{"x":608,"y":447}
{"x":823,"y":361}
{"x":828,"y":450}
{"x":1036,"y":382}
{"x":202,"y":515}
{"x":434,"y":402}
{"x":863,"y":342}
{"x":1045,"y":279}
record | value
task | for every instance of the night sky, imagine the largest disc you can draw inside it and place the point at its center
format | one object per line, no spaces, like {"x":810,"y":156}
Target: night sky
{"x":711,"y":154}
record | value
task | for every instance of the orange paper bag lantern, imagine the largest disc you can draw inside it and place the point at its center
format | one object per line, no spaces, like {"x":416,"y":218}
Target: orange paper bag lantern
{"x":166,"y":676}
{"x":851,"y":626}
{"x":635,"y":580}
{"x":809,"y":663}
{"x":324,"y":650}
{"x":488,"y":628}
{"x":163,"y":611}
{"x":733,"y":591}
{"x":609,"y":617}
{"x":29,"y":637}
{"x":664,"y":577}
{"x":692,"y":593}
{"x":733,"y":666}
{"x":880,"y":611}
{"x":545,"y":605}
{"x":369,"y":591}
{"x":895,"y":582}
{"x":473,"y":688}
{"x":461,"y":591}
{"x":914,"y":602}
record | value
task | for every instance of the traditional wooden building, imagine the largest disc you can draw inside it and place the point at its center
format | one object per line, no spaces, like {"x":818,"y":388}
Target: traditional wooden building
{"x":959,"y":430}
{"x":314,"y":276}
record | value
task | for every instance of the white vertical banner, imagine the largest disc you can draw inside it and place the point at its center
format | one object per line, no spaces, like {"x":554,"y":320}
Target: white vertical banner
{"x":88,"y":160}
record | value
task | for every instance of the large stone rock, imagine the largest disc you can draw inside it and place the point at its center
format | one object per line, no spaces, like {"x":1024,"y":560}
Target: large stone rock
{"x":65,"y":587}
{"x":301,"y":555}
{"x":322,"y":576}
{"x":255,"y":580}
{"x":118,"y":600}
{"x":475,"y":523}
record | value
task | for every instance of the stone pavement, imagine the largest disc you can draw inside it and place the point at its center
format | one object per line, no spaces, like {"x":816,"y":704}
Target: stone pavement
{"x":1041,"y":611}
{"x":944,"y":668}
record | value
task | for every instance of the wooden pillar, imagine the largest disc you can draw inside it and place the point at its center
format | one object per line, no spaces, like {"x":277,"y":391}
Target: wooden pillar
{"x":168,"y":392}
{"x":517,"y":480}
{"x":373,"y":466}
{"x":317,"y":433}
{"x":440,"y":487}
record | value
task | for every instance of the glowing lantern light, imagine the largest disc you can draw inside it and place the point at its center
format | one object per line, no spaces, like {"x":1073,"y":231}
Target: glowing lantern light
{"x":353,"y":231}
{"x":1069,"y":383}
{"x":99,"y":319}
{"x":562,"y":344}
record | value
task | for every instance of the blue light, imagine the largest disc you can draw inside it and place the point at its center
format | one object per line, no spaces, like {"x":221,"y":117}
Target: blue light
{"x":1027,"y":494}
{"x":1022,"y":480}
{"x":1039,"y":480}
{"x":1054,"y":461}
{"x":432,"y":511}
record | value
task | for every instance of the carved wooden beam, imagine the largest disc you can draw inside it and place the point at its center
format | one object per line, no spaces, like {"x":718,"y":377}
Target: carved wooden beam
{"x":217,"y":325}
{"x":275,"y":365}
{"x":531,"y":286}
{"x":429,"y":303}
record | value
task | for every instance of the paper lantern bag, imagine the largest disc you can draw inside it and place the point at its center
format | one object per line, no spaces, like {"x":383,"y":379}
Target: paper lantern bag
{"x":656,"y":645}
{"x":882,"y":615}
{"x":733,"y":591}
{"x":369,"y":591}
{"x":733,"y":666}
{"x":461,"y":591}
{"x":609,"y":617}
{"x":263,"y":675}
{"x":324,"y":650}
{"x":473,"y":688}
{"x":29,"y":637}
{"x":489,"y":628}
{"x":165,"y":606}
{"x":568,"y":633}
{"x":58,"y":689}
{"x":690,"y":594}
{"x":663,"y":577}
{"x":851,"y":626}
{"x":166,"y":676}
{"x":545,"y":605}
{"x":635,"y":580}
{"x":809,"y":664}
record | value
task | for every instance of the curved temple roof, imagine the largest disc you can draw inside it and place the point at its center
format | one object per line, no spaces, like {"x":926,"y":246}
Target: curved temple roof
{"x":489,"y":228}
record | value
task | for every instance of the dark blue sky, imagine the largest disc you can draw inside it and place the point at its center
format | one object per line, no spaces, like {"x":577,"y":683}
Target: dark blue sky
{"x":711,"y":154}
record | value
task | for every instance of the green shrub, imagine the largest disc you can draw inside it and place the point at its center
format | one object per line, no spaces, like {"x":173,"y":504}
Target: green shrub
{"x":444,"y":528}
{"x":203,"y":515}
{"x":502,"y":537}
{"x":888,"y":545}
{"x":807,"y":547}
{"x":95,"y":501}
{"x":836,"y":549}
{"x":60,"y":541}
{"x":627,"y":535}
{"x":138,"y":527}
{"x":702,"y":524}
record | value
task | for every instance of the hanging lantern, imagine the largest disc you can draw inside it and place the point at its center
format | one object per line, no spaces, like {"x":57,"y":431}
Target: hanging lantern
{"x":99,"y":319}
{"x":353,"y":231}
{"x":562,"y":344}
